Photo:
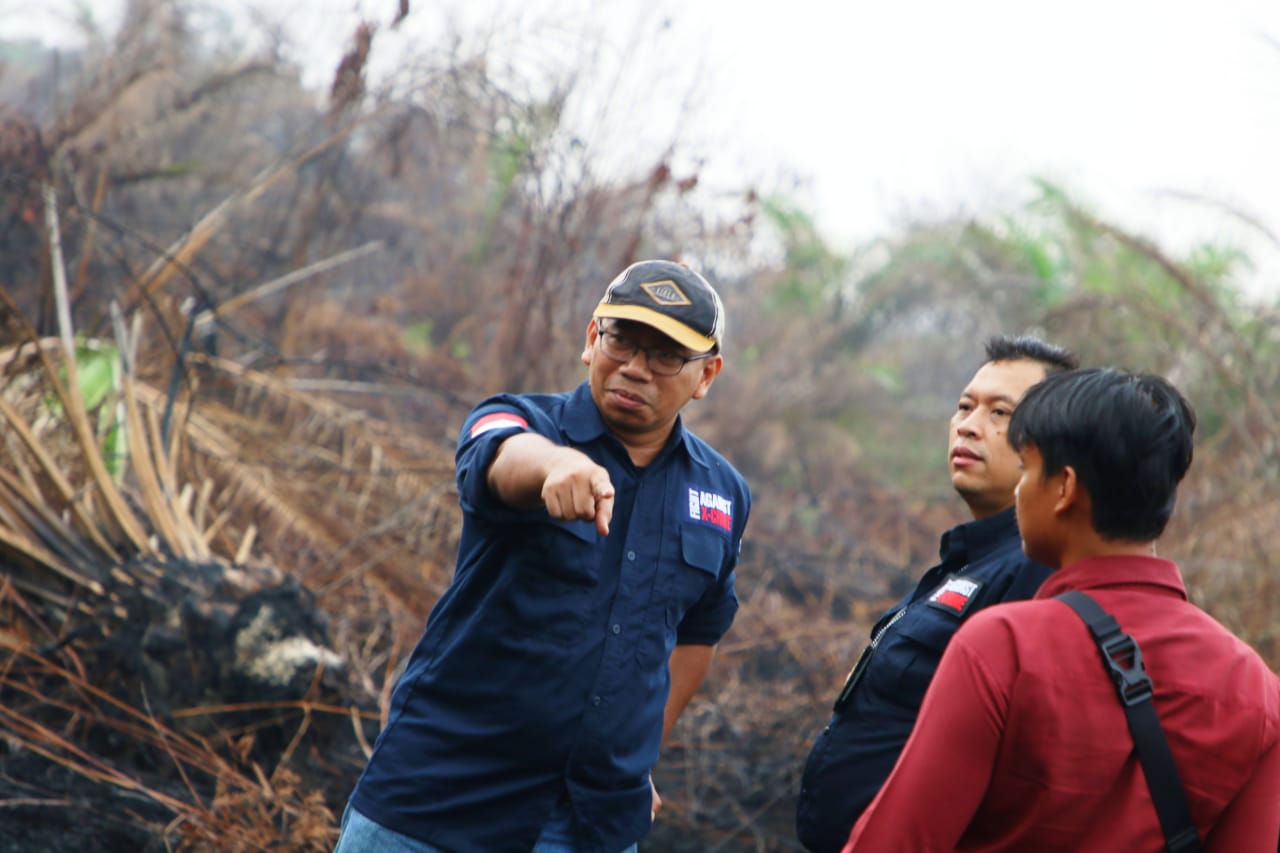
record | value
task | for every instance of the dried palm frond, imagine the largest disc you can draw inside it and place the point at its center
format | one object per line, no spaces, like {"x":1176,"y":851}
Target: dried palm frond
{"x":341,"y":494}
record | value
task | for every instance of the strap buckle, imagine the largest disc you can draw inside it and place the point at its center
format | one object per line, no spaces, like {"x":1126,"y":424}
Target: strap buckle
{"x":1124,"y":662}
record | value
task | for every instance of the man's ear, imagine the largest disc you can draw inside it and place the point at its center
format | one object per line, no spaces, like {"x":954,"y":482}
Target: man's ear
{"x":710,"y":370}
{"x":590,"y":347}
{"x":1071,"y":494}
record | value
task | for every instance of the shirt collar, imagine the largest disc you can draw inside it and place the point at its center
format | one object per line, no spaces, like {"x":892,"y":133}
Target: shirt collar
{"x":582,"y":424}
{"x":582,"y":421}
{"x":975,"y":539}
{"x":1112,"y":571}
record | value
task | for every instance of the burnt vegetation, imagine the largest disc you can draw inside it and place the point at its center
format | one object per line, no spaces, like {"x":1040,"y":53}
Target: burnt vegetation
{"x":242,"y":323}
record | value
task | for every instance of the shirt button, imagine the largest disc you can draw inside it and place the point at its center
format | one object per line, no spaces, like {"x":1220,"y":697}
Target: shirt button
{"x":617,"y":629}
{"x":631,"y":555}
{"x":595,"y":701}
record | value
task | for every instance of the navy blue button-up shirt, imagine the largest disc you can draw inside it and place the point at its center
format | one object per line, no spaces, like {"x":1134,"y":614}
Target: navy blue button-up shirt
{"x":543,"y":668}
{"x":982,"y":564}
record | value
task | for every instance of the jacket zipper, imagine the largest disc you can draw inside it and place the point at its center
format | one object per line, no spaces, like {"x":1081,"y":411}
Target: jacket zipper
{"x":855,"y":674}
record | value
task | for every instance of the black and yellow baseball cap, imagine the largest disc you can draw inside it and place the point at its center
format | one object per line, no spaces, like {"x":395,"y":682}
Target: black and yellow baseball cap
{"x":671,"y":298}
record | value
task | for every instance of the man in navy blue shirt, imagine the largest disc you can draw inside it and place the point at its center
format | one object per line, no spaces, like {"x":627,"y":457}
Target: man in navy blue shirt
{"x":982,"y":563}
{"x":595,"y":576}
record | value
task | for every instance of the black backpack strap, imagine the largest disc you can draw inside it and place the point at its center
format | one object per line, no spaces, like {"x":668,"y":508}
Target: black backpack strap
{"x":1123,"y":662}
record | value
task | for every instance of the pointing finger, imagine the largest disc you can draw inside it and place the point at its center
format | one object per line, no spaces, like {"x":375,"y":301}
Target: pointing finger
{"x":602,"y":490}
{"x":604,"y":513}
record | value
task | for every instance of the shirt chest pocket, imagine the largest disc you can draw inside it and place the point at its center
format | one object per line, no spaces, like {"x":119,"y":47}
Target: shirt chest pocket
{"x":702,"y":554}
{"x":557,"y":553}
{"x":919,"y":645}
{"x":684,"y":577}
{"x":553,"y":580}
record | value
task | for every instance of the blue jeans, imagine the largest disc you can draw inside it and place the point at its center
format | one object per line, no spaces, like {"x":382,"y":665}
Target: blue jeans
{"x":361,"y":835}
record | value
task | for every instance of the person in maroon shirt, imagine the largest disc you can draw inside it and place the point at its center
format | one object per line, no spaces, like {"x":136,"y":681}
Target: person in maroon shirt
{"x":1022,"y":743}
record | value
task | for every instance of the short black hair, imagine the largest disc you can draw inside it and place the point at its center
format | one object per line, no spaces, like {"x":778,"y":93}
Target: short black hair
{"x":1055,"y":359}
{"x":1127,"y":435}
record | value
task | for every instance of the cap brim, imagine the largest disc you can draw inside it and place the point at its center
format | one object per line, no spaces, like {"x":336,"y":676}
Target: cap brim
{"x":672,"y":328}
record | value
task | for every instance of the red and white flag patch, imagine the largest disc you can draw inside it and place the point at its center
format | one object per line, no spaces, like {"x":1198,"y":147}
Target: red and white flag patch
{"x":955,"y":594}
{"x":498,"y":420}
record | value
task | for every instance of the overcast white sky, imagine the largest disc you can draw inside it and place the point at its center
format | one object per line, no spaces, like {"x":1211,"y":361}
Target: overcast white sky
{"x":890,"y":109}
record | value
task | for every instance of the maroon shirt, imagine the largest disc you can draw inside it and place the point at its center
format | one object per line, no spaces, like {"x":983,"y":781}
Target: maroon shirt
{"x":1022,"y":743}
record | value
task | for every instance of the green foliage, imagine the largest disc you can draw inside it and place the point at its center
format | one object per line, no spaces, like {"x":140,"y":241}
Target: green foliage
{"x":26,"y":53}
{"x":1045,"y":258}
{"x":813,"y":273}
{"x":923,"y":302}
{"x":512,"y":152}
{"x":508,"y":156}
{"x":886,"y":375}
{"x":98,"y":370}
{"x":417,"y":336}
{"x":1217,"y":265}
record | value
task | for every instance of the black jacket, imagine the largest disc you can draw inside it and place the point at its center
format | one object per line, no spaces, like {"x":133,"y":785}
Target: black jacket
{"x":982,"y":563}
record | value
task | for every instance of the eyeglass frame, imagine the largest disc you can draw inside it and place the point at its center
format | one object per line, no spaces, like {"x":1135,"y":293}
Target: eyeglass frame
{"x":601,"y":331}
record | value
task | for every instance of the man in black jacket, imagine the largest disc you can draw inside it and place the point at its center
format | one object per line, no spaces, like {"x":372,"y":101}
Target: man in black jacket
{"x":981,"y":563}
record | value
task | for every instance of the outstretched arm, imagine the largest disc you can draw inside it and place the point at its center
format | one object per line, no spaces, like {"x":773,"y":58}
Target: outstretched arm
{"x":529,"y":470}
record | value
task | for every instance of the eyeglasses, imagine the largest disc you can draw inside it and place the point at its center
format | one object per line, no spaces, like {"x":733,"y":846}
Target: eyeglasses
{"x":662,"y":362}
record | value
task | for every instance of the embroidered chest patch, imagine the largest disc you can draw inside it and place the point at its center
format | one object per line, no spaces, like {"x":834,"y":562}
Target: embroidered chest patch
{"x":955,"y":595}
{"x":711,"y":509}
